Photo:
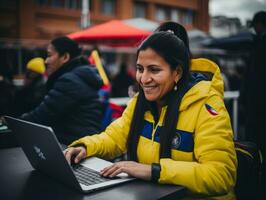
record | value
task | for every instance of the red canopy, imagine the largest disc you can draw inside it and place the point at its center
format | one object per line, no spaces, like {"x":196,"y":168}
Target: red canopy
{"x":113,"y":33}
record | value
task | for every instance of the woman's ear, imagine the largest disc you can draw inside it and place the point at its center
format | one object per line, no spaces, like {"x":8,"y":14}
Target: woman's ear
{"x":179,"y":73}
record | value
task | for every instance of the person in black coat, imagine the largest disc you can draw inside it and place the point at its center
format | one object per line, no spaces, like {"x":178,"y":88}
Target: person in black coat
{"x":31,"y":94}
{"x":72,"y":106}
{"x":252,"y":94}
{"x":121,"y":82}
{"x":7,"y":92}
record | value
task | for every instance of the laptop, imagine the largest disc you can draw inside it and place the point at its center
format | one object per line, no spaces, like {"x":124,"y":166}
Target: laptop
{"x":45,"y":154}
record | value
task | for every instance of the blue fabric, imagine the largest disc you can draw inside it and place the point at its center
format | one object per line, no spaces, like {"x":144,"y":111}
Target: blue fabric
{"x":183,"y":141}
{"x":196,"y":77}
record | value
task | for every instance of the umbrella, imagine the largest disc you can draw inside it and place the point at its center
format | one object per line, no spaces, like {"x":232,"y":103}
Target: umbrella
{"x":241,"y":41}
{"x":112,"y":33}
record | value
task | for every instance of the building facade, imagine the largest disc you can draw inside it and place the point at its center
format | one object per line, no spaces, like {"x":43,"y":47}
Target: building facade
{"x":44,"y":19}
{"x":26,"y":26}
{"x":222,"y":26}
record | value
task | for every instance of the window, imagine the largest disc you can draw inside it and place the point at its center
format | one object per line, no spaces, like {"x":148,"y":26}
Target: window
{"x":42,"y":2}
{"x":175,"y":15}
{"x":162,"y":13}
{"x":73,"y":4}
{"x":188,"y":17}
{"x":57,"y":3}
{"x":68,"y":4}
{"x":108,"y":7}
{"x":139,"y":10}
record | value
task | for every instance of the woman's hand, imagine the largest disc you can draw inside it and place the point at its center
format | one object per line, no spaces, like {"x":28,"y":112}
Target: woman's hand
{"x":75,"y":154}
{"x":141,"y":171}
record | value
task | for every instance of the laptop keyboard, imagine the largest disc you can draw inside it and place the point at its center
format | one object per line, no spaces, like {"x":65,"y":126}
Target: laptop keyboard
{"x":88,"y":176}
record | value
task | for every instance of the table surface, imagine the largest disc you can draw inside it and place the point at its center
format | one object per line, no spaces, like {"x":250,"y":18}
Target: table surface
{"x":18,"y":180}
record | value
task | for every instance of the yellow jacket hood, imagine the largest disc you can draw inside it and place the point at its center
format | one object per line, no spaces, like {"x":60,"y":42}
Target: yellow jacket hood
{"x":212,"y":85}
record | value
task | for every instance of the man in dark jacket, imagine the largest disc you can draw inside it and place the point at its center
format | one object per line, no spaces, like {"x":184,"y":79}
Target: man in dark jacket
{"x":253,"y":94}
{"x":72,"y":106}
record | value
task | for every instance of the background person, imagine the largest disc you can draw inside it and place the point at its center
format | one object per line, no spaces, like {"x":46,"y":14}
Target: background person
{"x":33,"y":90}
{"x":251,"y":96}
{"x":176,"y":130}
{"x":72,"y":106}
{"x":121,"y":82}
{"x":7,"y":92}
{"x":133,"y":89}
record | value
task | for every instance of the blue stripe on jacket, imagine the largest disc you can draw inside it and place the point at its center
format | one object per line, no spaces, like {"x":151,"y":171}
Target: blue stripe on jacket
{"x":183,"y":141}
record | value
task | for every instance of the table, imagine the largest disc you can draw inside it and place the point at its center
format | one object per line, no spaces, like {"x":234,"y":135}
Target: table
{"x":18,"y":180}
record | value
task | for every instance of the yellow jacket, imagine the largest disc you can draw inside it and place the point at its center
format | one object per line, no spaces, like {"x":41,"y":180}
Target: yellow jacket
{"x":203,"y":155}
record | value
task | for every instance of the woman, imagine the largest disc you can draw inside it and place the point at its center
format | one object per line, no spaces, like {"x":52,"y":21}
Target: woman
{"x":176,"y":130}
{"x":72,"y":106}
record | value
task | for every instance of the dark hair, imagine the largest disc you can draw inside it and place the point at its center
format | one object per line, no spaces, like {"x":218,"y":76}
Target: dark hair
{"x":259,"y":17}
{"x":66,"y":45}
{"x":175,"y":53}
{"x":177,"y":29}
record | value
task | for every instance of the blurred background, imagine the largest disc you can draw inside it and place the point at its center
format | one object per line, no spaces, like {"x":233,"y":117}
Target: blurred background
{"x":27,"y":26}
{"x":218,"y":30}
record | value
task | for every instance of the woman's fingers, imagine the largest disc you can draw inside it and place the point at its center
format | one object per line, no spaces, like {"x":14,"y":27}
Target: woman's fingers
{"x":134,"y":169}
{"x":107,"y":171}
{"x":116,"y":172}
{"x":68,"y":154}
{"x":81,"y":155}
{"x":116,"y":169}
{"x":74,"y":154}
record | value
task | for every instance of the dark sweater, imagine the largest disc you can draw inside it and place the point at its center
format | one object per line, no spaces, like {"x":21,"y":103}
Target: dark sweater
{"x":72,"y":106}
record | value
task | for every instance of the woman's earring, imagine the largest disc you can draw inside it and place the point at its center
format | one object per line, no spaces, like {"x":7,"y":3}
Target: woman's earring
{"x":175,"y":87}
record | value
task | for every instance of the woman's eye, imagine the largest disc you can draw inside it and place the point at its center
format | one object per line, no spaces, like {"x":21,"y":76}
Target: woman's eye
{"x":138,"y":68}
{"x":155,"y":70}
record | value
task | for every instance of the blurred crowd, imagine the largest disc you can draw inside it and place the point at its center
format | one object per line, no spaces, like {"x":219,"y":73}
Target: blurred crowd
{"x":16,"y":100}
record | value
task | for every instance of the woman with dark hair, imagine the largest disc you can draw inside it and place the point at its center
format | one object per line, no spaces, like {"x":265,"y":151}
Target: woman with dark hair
{"x":71,"y":106}
{"x":176,"y":130}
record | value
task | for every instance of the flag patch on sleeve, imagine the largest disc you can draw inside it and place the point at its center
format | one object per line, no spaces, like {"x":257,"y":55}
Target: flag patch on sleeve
{"x":211,"y":110}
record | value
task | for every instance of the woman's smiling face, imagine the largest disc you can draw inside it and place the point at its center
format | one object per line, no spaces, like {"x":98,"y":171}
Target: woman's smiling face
{"x":155,"y":75}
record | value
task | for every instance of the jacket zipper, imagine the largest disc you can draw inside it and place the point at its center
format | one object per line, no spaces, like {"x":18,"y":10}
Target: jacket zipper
{"x":154,"y":128}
